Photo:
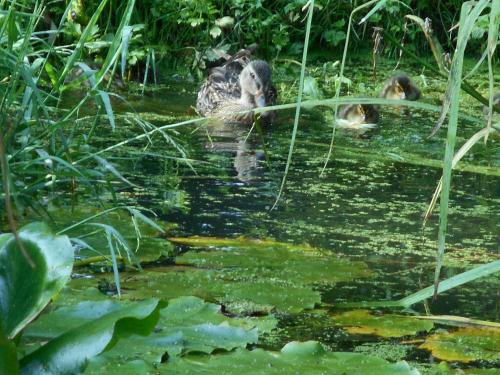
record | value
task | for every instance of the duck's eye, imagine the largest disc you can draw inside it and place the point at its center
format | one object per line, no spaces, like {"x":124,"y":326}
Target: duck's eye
{"x":252,"y":75}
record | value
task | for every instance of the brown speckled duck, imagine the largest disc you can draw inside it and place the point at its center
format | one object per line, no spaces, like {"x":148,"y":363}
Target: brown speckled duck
{"x":237,"y":86}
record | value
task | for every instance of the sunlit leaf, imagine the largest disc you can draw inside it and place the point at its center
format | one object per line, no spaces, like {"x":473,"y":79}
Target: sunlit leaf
{"x":385,"y":325}
{"x":225,"y":22}
{"x":465,"y":345}
{"x":215,"y":31}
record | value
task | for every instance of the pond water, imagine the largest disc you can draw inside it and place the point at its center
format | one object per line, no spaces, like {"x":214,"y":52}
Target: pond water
{"x":367,"y":205}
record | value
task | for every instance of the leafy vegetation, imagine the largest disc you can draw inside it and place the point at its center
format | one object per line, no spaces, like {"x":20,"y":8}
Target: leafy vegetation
{"x":87,"y":166}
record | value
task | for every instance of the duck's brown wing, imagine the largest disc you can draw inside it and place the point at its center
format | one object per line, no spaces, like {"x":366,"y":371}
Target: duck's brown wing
{"x":222,"y":85}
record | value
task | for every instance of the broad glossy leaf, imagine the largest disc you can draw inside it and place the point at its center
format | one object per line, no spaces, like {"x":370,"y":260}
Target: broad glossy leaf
{"x":465,"y":345}
{"x":69,"y":352}
{"x":385,"y":325}
{"x":23,"y":297}
{"x":294,"y":358}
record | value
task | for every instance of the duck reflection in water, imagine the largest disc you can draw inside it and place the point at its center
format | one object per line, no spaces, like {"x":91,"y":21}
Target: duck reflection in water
{"x":231,"y":138}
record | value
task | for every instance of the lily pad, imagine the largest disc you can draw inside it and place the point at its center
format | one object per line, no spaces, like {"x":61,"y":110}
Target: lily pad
{"x":465,"y":345}
{"x":187,"y":324}
{"x":264,"y":295}
{"x":385,"y":325}
{"x":295,"y":267}
{"x":294,"y":358}
{"x":21,"y":297}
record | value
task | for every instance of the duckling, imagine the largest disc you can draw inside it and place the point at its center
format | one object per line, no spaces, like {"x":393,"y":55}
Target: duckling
{"x":358,"y":117}
{"x":236,"y":87}
{"x":400,"y":87}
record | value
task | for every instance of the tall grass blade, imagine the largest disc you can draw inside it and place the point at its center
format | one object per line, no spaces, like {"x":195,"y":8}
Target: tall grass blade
{"x":458,"y":156}
{"x":445,"y":285}
{"x":118,"y":41}
{"x":108,"y":108}
{"x":436,"y":48}
{"x":299,"y":100}
{"x":75,"y":55}
{"x":341,"y":73}
{"x":492,"y":43}
{"x":126,"y":34}
{"x":148,"y":58}
{"x":372,"y":11}
{"x":450,"y":283}
{"x":468,"y":17}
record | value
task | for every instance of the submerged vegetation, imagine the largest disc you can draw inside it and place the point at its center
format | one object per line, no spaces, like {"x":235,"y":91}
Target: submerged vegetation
{"x":136,"y":236}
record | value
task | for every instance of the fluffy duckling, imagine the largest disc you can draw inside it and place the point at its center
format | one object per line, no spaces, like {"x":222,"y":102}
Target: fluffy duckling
{"x":358,"y":117}
{"x":400,"y":87}
{"x":236,"y":87}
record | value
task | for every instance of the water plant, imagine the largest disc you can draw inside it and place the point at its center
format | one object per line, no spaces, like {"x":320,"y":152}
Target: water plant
{"x":69,"y":157}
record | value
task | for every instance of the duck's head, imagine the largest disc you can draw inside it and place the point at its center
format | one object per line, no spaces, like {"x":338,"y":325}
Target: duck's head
{"x":361,"y":113}
{"x":255,"y":80}
{"x":396,"y":90}
{"x":401,"y":87}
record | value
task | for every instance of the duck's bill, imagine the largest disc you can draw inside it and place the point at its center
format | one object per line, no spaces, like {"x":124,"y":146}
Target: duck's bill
{"x":260,"y":100}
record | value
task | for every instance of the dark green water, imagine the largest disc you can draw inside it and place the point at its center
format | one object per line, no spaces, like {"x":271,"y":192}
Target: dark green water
{"x":367,"y":205}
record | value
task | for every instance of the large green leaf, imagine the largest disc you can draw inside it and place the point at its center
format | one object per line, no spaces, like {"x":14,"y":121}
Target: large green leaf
{"x":69,"y":352}
{"x":294,"y":358}
{"x":24,"y":290}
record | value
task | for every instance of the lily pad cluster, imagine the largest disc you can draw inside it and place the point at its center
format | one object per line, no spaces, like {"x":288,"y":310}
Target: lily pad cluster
{"x":186,"y":324}
{"x":250,"y":276}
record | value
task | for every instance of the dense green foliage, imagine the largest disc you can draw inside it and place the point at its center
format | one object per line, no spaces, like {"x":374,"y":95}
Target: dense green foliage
{"x":60,"y":150}
{"x":180,"y":31}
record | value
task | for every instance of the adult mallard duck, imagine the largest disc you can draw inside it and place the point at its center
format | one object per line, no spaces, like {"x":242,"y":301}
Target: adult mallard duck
{"x":358,"y":117}
{"x":237,"y":86}
{"x":400,"y":87}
